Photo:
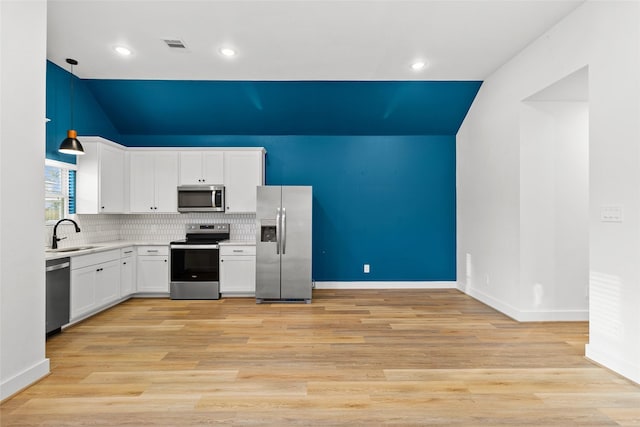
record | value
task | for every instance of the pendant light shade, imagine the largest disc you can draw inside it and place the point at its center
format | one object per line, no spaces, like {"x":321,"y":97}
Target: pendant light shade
{"x":71,"y":145}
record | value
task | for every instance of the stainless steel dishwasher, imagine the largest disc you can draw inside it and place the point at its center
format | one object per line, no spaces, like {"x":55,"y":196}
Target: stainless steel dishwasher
{"x":58,"y":285}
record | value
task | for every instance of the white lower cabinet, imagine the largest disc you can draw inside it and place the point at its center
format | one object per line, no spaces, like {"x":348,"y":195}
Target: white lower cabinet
{"x":127,"y":271}
{"x":83,"y":291}
{"x":153,"y":269}
{"x":95,"y":282}
{"x":238,"y":270}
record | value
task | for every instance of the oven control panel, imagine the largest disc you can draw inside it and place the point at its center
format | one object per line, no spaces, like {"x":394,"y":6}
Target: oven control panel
{"x":207,"y":228}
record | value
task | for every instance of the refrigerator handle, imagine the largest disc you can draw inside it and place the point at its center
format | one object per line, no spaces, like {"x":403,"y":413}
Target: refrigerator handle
{"x":284,"y":231}
{"x":278,"y":231}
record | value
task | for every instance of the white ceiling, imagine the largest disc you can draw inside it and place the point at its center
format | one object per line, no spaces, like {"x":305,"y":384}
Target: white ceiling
{"x":296,"y":39}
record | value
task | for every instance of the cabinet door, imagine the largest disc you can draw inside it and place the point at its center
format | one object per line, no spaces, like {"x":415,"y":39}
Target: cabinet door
{"x":166,"y":182}
{"x":127,"y":273}
{"x":212,"y":167}
{"x":238,"y":274}
{"x":83,"y":297}
{"x":142,"y":182}
{"x":107,"y":282}
{"x":111,"y":180}
{"x":153,"y":274}
{"x":191,"y":168}
{"x":87,"y":180}
{"x":242,"y":175}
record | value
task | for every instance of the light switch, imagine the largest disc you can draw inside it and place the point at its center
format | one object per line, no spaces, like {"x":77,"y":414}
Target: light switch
{"x":367,"y":268}
{"x":611,"y":213}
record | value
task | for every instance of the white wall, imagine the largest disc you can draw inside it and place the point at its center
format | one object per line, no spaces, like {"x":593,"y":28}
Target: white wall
{"x":23,"y":26}
{"x":605,"y":37}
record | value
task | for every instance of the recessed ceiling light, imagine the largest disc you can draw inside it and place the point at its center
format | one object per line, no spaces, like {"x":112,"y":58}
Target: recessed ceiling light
{"x":418,"y":65}
{"x":227,"y":51}
{"x":124,"y":51}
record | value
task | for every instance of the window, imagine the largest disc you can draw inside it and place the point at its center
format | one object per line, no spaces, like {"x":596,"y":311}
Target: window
{"x":59,"y":190}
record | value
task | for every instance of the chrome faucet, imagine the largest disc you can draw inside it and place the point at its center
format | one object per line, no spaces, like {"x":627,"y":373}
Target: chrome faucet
{"x":56,"y":239}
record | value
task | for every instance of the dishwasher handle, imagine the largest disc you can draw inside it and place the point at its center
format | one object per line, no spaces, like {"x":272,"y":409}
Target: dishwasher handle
{"x":57,"y":266}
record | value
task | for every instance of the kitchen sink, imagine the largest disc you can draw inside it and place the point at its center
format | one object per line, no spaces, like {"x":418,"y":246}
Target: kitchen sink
{"x":72,"y":249}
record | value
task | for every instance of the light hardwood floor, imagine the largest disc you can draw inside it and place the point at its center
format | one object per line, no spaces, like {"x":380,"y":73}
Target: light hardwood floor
{"x":401,"y":357}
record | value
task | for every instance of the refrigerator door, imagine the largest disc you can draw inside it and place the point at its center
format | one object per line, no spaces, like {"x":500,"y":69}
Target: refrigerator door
{"x":296,"y":243}
{"x":268,"y":241}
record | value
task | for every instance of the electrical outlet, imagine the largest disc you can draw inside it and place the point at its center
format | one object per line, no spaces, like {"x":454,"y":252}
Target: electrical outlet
{"x":367,"y":268}
{"x":611,"y":213}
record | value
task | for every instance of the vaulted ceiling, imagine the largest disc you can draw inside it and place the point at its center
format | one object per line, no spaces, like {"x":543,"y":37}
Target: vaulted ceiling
{"x":317,"y":67}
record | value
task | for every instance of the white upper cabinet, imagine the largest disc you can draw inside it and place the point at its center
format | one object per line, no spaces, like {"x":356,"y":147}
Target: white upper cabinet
{"x":142,"y":182}
{"x":153,"y":181}
{"x":101,"y":182}
{"x":115,"y":179}
{"x":243,"y":173}
{"x":201,"y":167}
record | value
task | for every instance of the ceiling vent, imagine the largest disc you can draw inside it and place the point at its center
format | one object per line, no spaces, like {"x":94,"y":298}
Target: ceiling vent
{"x":175,"y":43}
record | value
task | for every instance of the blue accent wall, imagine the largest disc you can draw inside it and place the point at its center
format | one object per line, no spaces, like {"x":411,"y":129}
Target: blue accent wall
{"x":379,"y":155}
{"x":161,"y":107}
{"x":388,"y":201}
{"x":89,"y":118}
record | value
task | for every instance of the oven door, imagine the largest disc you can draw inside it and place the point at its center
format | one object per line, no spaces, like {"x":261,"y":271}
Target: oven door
{"x":194,"y":271}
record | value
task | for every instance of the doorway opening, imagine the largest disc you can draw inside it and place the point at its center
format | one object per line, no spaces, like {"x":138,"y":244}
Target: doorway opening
{"x":554,"y":200}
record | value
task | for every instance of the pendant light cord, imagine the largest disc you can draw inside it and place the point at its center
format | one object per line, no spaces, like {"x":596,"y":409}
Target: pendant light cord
{"x":71,"y":77}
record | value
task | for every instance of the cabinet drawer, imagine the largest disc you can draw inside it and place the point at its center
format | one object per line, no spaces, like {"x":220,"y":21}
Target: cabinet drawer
{"x":153,"y":250}
{"x":97,"y":258}
{"x":127,"y":252}
{"x":237,"y":250}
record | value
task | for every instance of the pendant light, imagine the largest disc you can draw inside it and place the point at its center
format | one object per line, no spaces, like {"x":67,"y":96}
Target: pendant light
{"x":71,"y":145}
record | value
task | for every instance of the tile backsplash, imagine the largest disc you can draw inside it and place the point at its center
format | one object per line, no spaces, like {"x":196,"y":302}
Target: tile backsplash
{"x":160,"y":228}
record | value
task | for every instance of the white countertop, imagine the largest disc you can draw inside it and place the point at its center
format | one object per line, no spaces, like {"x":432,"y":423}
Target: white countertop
{"x":237,"y":243}
{"x":96,"y":247}
{"x":118,"y":244}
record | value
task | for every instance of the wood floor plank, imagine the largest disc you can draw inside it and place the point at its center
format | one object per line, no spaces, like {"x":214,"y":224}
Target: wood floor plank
{"x":352,"y":357}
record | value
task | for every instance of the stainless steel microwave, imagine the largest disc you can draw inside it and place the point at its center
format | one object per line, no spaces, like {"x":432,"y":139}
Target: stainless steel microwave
{"x":200,"y":198}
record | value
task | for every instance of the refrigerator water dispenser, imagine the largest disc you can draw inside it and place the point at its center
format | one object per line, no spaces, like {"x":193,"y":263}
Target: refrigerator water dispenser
{"x":268,"y":230}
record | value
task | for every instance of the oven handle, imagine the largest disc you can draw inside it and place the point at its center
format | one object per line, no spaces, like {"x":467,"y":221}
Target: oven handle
{"x":194,"y":247}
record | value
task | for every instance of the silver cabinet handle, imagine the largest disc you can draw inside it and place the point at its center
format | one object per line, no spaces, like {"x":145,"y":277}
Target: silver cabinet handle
{"x":238,"y":250}
{"x":149,"y":251}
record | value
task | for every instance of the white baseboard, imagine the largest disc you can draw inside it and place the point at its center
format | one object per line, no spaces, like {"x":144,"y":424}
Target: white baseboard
{"x":526,"y":315}
{"x":24,"y":379}
{"x":385,"y":285}
{"x":614,"y":362}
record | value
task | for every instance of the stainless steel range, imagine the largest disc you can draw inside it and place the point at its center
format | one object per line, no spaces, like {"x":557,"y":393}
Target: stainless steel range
{"x":194,"y":262}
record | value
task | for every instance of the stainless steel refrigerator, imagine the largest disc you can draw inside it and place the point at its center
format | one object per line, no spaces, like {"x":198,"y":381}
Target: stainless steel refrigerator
{"x":283,"y":243}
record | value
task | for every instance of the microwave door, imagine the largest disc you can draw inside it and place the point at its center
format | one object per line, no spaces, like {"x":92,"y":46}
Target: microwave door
{"x":200,"y":199}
